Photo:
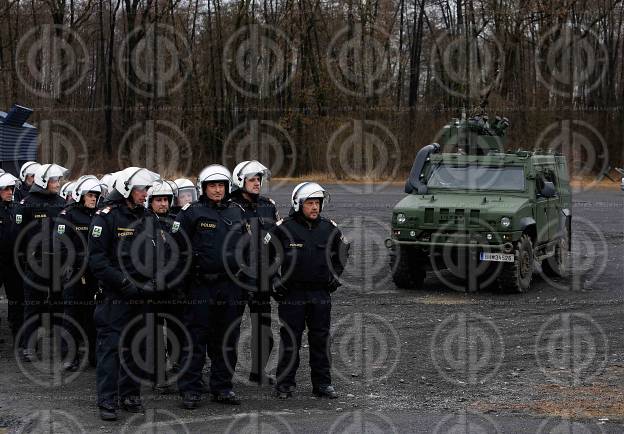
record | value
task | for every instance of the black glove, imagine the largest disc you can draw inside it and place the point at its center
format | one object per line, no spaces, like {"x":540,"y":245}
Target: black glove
{"x":129,"y":289}
{"x":334,"y":285}
{"x":148,"y":288}
{"x":179,"y":293}
{"x":279,"y":291}
{"x":67,"y":274}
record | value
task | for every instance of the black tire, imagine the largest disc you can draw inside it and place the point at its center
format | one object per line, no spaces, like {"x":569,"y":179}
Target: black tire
{"x":558,"y":264}
{"x":516,"y":276}
{"x":407,"y":270}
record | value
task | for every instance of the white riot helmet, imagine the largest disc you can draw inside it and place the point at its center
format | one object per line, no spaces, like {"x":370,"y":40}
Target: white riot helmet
{"x":308,"y":190}
{"x":134,"y":177}
{"x":86,"y":184}
{"x":215,"y":173}
{"x":7,"y":180}
{"x":67,"y":190}
{"x":161,"y":188}
{"x":249,"y":169}
{"x":46,"y":172}
{"x":187,"y":191}
{"x":107,"y":181}
{"x":27,"y":169}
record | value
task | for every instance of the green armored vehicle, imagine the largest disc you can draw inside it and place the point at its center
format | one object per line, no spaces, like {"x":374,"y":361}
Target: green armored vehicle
{"x":486,"y":215}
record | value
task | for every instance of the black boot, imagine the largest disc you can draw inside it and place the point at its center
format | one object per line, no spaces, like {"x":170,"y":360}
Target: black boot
{"x":228,"y":398}
{"x":108,"y":412}
{"x":283,"y":394}
{"x":191,"y":401}
{"x":132,"y":404}
{"x":325,"y":392}
{"x":72,"y":365}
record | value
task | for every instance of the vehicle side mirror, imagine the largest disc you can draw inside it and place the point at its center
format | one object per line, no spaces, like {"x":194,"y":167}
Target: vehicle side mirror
{"x":548,"y":190}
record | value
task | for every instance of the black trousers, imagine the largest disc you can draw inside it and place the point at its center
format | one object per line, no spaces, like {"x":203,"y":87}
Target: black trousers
{"x":78,"y":309}
{"x":213,"y":320}
{"x":117,"y":373}
{"x":300,"y":309}
{"x":170,"y":321}
{"x":260,"y":313}
{"x":14,"y":289}
{"x":43,"y":305}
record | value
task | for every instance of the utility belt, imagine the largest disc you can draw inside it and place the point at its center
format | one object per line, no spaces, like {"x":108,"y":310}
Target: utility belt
{"x":306,"y":286}
{"x":210,"y":277}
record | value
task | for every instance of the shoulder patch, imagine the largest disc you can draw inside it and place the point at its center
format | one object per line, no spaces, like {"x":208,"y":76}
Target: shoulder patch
{"x":185,"y":207}
{"x":97,"y":231}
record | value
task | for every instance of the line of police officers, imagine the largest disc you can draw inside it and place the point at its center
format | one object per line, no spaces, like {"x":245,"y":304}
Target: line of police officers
{"x":145,"y":248}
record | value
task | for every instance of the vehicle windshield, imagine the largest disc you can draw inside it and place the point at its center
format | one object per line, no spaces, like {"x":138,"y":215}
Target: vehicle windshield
{"x":474,"y":177}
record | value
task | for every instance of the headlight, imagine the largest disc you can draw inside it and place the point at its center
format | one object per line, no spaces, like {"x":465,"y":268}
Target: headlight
{"x":401,"y":218}
{"x":506,"y":222}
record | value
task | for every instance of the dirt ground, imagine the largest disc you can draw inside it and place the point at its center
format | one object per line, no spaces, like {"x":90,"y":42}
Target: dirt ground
{"x":436,"y":360}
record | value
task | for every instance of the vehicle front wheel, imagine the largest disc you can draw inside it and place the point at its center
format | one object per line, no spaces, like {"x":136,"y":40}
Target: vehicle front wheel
{"x":407,"y":269}
{"x":558,"y":264}
{"x":516,"y":276}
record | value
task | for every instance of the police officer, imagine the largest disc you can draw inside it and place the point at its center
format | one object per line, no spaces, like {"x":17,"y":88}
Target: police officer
{"x":115,"y":232}
{"x":67,"y":191}
{"x":160,"y":198}
{"x":314,"y":255}
{"x":9,"y":277}
{"x":79,"y":284}
{"x":106,"y":183}
{"x":34,"y":219}
{"x":27,"y":177}
{"x":214,"y":227}
{"x":186,"y":193}
{"x":261,"y":215}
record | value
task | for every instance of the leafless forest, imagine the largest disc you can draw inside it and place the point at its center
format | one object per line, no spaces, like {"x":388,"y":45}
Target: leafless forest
{"x":348,"y":88}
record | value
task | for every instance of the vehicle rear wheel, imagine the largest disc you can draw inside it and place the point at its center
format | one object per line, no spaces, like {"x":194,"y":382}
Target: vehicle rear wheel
{"x":407,"y":269}
{"x":516,"y":276}
{"x":557,"y":265}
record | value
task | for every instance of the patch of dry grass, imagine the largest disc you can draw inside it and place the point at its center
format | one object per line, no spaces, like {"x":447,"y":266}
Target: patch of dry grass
{"x":600,"y":399}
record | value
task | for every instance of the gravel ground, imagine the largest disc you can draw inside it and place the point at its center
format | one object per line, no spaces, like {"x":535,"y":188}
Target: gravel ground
{"x":436,"y":360}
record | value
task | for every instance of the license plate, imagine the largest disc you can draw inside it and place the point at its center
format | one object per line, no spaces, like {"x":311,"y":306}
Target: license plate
{"x":497,"y":257}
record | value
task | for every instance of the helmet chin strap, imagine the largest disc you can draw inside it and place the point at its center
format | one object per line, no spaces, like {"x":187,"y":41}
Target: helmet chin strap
{"x":253,"y":196}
